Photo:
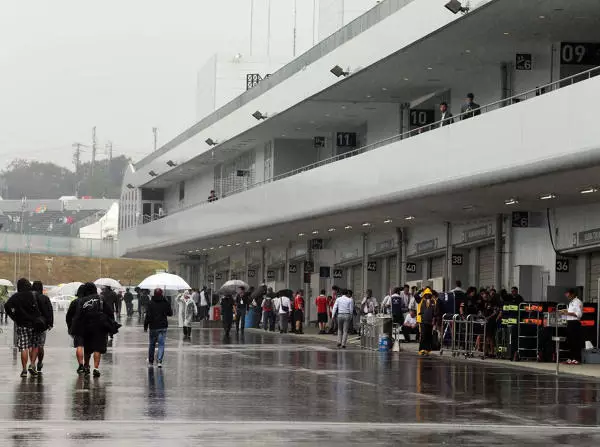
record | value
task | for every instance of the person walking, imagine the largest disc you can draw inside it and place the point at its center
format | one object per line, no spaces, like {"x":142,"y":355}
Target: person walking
{"x":427,"y":313}
{"x":119,"y":304}
{"x":268,"y":311}
{"x":47,"y":312}
{"x":321,"y":303}
{"x":110,"y":299}
{"x":573,"y":315}
{"x":204,"y":304}
{"x":3,"y":300}
{"x":299,"y":311}
{"x":343,"y":311}
{"x":77,"y":339}
{"x":128,"y":298}
{"x":241,"y":307}
{"x":23,"y":309}
{"x":143,"y":301}
{"x":94,"y":322}
{"x":159,"y":309}
{"x":186,"y":311}
{"x":227,"y":312}
{"x":284,"y":309}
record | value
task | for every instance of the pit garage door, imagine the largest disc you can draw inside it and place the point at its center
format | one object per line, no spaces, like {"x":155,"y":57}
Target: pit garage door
{"x":594,"y":276}
{"x":392,"y":280}
{"x":357,"y":281}
{"x":486,"y":266}
{"x":437,"y":267}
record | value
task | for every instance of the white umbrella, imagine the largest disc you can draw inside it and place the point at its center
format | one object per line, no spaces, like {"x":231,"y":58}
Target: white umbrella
{"x":232,"y":285}
{"x":69,"y":289}
{"x":6,"y":282}
{"x":108,"y":282}
{"x":165,"y":281}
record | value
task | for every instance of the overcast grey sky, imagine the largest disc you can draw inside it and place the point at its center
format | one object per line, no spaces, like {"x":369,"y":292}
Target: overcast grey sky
{"x":121,"y":65}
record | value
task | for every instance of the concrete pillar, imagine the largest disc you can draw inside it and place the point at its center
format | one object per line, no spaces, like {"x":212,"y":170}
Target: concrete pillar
{"x":448,"y":266}
{"x":402,"y":257}
{"x":498,"y":248}
{"x":287,"y":267}
{"x":508,"y":255}
{"x":263,"y":266}
{"x":365,"y":272}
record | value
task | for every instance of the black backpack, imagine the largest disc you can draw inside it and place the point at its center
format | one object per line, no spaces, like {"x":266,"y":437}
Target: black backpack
{"x":39,"y":322}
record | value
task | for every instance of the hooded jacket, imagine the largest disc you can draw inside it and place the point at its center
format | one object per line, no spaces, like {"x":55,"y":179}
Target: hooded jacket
{"x":158,"y":311}
{"x":22,"y":307}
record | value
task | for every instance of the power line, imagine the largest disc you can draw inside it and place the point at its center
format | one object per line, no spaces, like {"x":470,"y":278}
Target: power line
{"x":93,"y":151}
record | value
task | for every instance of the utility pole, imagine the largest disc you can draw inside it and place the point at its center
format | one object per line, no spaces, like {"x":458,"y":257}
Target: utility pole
{"x":155,"y":132}
{"x":93,"y":151}
{"x":77,"y":156}
{"x":109,"y":146}
{"x":295,"y":24}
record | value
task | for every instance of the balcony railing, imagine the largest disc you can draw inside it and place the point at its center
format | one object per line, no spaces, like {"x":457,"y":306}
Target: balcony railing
{"x":471,"y":114}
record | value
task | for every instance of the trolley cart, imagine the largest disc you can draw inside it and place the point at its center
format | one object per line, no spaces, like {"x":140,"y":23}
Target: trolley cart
{"x":528,"y":323}
{"x":460,"y":337}
{"x":476,"y":336}
{"x":447,"y":332}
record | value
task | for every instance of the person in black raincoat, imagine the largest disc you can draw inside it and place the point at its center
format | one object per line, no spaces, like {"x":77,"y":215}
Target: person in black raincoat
{"x":227,"y":309}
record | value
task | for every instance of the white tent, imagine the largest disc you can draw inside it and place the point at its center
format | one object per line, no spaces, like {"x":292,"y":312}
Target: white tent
{"x":105,"y":228}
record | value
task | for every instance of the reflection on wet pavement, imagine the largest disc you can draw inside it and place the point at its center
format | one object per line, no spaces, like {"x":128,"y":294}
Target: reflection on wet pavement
{"x":268,"y":390}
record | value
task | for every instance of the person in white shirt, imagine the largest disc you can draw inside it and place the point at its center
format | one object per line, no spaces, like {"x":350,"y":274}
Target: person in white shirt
{"x":573,"y":316}
{"x":343,"y":310}
{"x":406,"y":296}
{"x":386,"y":304}
{"x":458,"y":287}
{"x":446,"y":116}
{"x":369,"y":304}
{"x":283,"y":306}
{"x":204,"y":305}
{"x":410,"y":325}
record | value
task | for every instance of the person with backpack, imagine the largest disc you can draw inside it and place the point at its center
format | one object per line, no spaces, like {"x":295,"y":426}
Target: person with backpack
{"x":77,"y":340}
{"x":268,"y":309}
{"x":284,"y":309}
{"x":47,"y":312}
{"x":24,"y":310}
{"x":94,"y":322}
{"x":128,"y":298}
{"x":159,"y":310}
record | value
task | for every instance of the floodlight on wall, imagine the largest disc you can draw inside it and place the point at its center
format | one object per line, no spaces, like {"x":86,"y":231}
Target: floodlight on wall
{"x":455,"y":6}
{"x":130,"y":186}
{"x":339,"y":71}
{"x":259,"y":116}
{"x":171,"y":163}
{"x":153,"y":174}
{"x":211,"y":142}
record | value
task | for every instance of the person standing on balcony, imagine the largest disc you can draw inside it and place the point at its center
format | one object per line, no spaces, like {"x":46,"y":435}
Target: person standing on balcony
{"x":470,"y":108}
{"x":213,"y":196}
{"x":447,"y":117}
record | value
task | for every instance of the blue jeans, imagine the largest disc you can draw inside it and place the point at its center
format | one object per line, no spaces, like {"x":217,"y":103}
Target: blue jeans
{"x":157,"y":335}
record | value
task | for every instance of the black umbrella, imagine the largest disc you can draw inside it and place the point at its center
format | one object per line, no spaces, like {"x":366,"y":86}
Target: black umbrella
{"x":286,"y":292}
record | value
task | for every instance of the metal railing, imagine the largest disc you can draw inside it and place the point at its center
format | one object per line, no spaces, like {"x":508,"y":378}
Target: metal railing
{"x":473,"y":113}
{"x":359,"y":25}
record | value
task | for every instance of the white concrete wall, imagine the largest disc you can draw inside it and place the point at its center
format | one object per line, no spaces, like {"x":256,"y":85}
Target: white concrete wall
{"x":520,"y":140}
{"x":291,"y":154}
{"x":416,"y":20}
{"x":384,"y":124}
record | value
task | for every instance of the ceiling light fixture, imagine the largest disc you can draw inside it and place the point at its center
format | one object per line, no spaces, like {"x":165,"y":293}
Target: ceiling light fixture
{"x":511,"y":201}
{"x":301,"y":234}
{"x":315,"y":232}
{"x":366,"y":224}
{"x":388,"y":221}
{"x":409,"y":218}
{"x":339,"y":71}
{"x":258,"y":241}
{"x":429,"y":68}
{"x":268,"y":239}
{"x":468,"y":208}
{"x":331,"y":230}
{"x":229,"y":245}
{"x":248,"y":242}
{"x":237,"y":244}
{"x":506,"y":33}
{"x":348,"y":227}
{"x":455,"y":6}
{"x":590,"y":190}
{"x":548,"y":196}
